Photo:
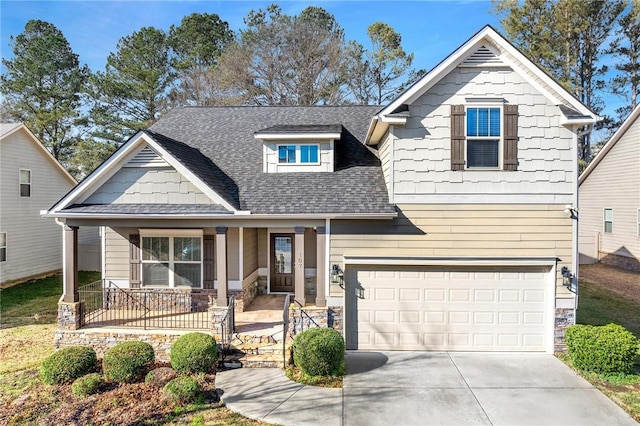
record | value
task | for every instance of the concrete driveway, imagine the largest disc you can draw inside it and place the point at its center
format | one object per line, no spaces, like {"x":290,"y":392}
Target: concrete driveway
{"x":436,"y":388}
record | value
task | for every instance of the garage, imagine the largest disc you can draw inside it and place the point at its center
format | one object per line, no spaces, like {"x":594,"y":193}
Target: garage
{"x":450,"y":307}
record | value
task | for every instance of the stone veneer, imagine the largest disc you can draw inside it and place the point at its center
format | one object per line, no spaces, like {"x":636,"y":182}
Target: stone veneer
{"x":315,"y":317}
{"x":70,"y":315}
{"x":564,"y":318}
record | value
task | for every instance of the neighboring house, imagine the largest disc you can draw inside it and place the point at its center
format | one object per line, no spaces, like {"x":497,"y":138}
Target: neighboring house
{"x":31,"y":181}
{"x":610,"y":200}
{"x":435,"y":223}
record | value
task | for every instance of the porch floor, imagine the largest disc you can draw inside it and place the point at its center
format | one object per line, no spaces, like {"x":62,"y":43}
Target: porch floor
{"x":262,"y":317}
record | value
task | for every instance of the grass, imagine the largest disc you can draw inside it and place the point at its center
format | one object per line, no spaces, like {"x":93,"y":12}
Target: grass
{"x":35,"y":301}
{"x":598,"y":306}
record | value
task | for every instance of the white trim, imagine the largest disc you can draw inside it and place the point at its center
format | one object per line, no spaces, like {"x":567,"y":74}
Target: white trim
{"x":251,"y":278}
{"x":611,"y":143}
{"x":327,"y":260}
{"x":500,"y":139}
{"x":6,"y":243}
{"x":298,"y":154}
{"x":238,"y":215}
{"x":241,"y":254}
{"x":565,"y":303}
{"x":487,"y":198}
{"x":171,"y":234}
{"x":638,"y":217}
{"x":447,"y":261}
{"x":550,"y":300}
{"x":293,"y":136}
{"x":604,"y":220}
{"x":151,"y":232}
{"x":103,"y":254}
{"x":20,"y":183}
{"x":393,"y":120}
{"x":392,"y":164}
{"x":110,"y":167}
{"x":232,"y":285}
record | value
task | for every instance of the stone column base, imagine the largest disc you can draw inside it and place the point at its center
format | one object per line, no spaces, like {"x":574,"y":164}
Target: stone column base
{"x":70,"y":315}
{"x":217,"y":314}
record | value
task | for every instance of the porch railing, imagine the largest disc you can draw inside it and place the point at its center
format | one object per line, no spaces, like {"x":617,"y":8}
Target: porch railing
{"x":107,"y":305}
{"x":228,"y":325}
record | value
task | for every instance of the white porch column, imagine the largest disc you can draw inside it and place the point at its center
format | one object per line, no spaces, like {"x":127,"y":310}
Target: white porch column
{"x":321,"y":298}
{"x":221,"y":265}
{"x":298,"y":263}
{"x":70,"y":264}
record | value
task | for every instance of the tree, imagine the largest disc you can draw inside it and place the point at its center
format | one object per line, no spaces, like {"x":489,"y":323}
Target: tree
{"x":43,"y":85}
{"x":286,"y":60}
{"x":132,"y":91}
{"x":626,"y":47}
{"x":197,"y":44}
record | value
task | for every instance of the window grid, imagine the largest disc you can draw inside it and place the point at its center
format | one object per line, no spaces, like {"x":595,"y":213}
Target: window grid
{"x":298,"y":154}
{"x":483,"y":137}
{"x":25,"y":183}
{"x":608,"y":221}
{"x":172,"y":261}
{"x":3,"y":246}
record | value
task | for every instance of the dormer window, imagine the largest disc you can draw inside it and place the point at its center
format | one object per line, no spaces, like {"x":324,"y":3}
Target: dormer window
{"x":299,"y":148}
{"x":298,"y":154}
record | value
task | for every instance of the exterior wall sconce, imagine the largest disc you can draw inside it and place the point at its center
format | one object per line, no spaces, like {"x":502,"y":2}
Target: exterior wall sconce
{"x":568,"y":278}
{"x":337,"y":276}
{"x":569,"y":209}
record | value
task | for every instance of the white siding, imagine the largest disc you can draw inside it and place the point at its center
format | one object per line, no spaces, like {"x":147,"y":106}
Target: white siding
{"x":325,"y":154}
{"x":135,"y":185}
{"x":422,"y":151}
{"x":384,"y":153}
{"x":34,"y":244}
{"x":614,"y":183}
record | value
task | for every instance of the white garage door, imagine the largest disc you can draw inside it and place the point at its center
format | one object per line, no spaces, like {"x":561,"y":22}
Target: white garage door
{"x":452,"y":308}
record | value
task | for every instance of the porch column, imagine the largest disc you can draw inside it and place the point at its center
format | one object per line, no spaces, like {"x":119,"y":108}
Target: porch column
{"x":298,"y":261}
{"x":221,"y":265}
{"x":70,"y":265}
{"x":321,"y":267}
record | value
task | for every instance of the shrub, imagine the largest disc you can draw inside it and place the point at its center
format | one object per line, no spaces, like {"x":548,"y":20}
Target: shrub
{"x":87,"y":385}
{"x":319,"y":351}
{"x":194,"y":353}
{"x":67,"y":364}
{"x":183,"y":389}
{"x":160,"y":376}
{"x":605,"y":349}
{"x":127,"y":362}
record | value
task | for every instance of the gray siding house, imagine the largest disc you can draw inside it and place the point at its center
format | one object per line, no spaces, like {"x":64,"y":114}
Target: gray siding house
{"x":610,"y":200}
{"x":32,"y":180}
{"x":437,"y":222}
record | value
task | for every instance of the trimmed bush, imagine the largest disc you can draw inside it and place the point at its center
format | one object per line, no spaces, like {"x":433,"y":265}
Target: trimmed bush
{"x":194,"y":353}
{"x":319,"y":351}
{"x":605,"y":349}
{"x":183,"y":389}
{"x":160,"y":376}
{"x":87,"y":385}
{"x":67,"y":364}
{"x":127,"y":362}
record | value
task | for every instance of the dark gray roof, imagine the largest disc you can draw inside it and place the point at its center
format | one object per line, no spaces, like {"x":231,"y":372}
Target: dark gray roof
{"x":572,"y":113}
{"x":303,"y":128}
{"x":137,"y":209}
{"x":218,"y":145}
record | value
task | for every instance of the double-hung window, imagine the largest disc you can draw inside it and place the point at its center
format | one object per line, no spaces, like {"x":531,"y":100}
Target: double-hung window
{"x":3,"y":246}
{"x":25,"y":183}
{"x":608,"y":221}
{"x":298,"y":154}
{"x":172,"y":260}
{"x":483,"y":136}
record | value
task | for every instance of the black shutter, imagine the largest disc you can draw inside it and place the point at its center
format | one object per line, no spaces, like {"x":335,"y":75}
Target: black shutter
{"x":457,"y":137}
{"x":208,"y":261}
{"x":510,"y":150}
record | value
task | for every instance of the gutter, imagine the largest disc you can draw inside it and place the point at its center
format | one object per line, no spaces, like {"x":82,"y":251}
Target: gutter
{"x":238,"y":215}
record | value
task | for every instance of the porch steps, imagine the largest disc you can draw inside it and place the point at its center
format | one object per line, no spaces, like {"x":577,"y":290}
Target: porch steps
{"x":258,"y":351}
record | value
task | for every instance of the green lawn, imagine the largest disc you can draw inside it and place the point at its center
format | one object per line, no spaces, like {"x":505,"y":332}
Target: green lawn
{"x":35,"y":301}
{"x":598,"y":306}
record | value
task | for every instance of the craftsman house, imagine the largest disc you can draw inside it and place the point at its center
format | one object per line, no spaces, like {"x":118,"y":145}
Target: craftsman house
{"x":438,"y":222}
{"x":610,"y":200}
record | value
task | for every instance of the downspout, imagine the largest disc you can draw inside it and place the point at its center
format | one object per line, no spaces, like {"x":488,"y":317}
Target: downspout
{"x":64,"y":260}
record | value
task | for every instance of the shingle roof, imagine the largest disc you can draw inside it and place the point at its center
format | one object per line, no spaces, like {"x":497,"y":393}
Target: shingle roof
{"x":137,"y":209}
{"x":218,"y":145}
{"x":8,"y":127}
{"x":303,"y":128}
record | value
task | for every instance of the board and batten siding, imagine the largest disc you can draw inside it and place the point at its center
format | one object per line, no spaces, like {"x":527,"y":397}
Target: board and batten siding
{"x":34,"y":243}
{"x":614,"y":183}
{"x":325,"y":157}
{"x":139,"y":185}
{"x":486,"y":230}
{"x":421,"y":169}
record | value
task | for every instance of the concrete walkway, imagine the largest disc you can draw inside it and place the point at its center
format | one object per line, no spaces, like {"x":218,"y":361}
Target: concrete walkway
{"x":427,"y":388}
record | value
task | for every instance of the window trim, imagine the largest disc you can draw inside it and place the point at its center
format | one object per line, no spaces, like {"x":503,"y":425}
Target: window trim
{"x":20,"y":183}
{"x":3,"y":258}
{"x":172,"y":234}
{"x":298,"y":150}
{"x":500,"y":139}
{"x":604,"y":220}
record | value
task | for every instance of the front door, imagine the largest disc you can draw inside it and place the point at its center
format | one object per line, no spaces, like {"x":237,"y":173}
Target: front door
{"x":282,"y":262}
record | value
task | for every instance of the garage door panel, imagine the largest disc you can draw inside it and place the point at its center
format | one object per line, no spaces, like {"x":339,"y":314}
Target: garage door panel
{"x":486,"y":310}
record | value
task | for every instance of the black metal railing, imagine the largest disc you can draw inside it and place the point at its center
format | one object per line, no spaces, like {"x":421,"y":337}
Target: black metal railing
{"x":228,"y":324}
{"x":107,"y":305}
{"x":285,"y":328}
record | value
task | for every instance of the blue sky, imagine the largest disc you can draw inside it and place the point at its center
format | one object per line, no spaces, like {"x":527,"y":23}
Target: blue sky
{"x":429,"y":29}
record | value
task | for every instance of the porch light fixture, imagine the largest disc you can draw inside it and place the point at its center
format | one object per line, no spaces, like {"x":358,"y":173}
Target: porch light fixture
{"x":567,"y":278}
{"x":336,"y":274}
{"x":569,"y":209}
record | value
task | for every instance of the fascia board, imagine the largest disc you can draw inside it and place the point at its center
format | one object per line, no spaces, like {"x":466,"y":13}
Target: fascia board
{"x":230,"y":215}
{"x":635,"y":114}
{"x":447,"y":261}
{"x":296,"y":136}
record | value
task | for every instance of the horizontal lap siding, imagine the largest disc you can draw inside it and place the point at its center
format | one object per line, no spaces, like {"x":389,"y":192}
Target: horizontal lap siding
{"x":117,"y":252}
{"x":250,"y":251}
{"x":615,"y":184}
{"x":459,"y":231}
